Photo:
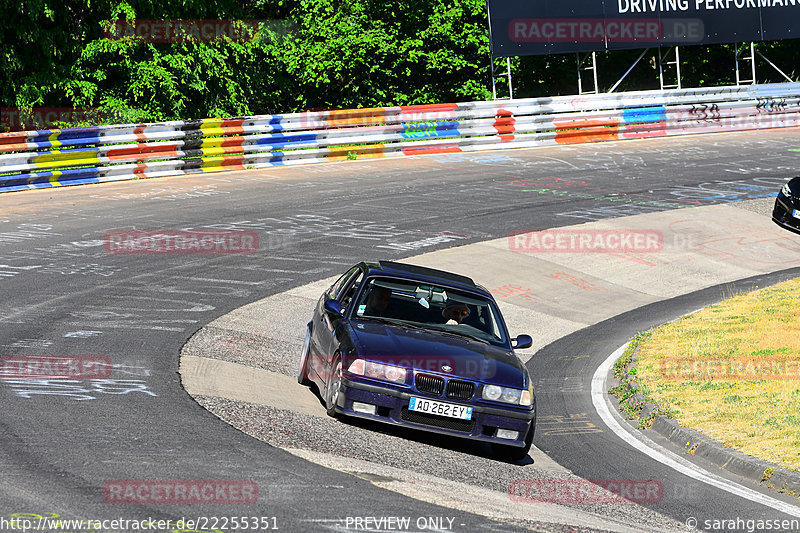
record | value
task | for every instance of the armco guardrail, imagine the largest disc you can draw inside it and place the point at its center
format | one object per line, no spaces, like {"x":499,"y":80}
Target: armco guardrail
{"x":48,"y":158}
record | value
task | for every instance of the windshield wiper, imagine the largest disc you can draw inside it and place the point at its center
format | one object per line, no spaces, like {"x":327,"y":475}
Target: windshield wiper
{"x":459,"y":334}
{"x":427,"y":327}
{"x":383,"y":320}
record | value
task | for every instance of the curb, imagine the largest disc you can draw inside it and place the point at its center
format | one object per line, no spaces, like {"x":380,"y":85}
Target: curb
{"x":695,"y":443}
{"x":727,"y":458}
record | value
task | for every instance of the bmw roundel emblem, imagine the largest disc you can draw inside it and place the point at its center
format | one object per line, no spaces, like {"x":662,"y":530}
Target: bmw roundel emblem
{"x":447,"y":368}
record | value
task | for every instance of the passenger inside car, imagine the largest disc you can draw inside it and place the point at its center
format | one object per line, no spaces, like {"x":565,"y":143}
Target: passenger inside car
{"x":455,"y":313}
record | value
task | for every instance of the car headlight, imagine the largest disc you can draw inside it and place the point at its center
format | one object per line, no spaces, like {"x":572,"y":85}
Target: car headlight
{"x":786,"y":191}
{"x":374,"y":370}
{"x":507,"y":395}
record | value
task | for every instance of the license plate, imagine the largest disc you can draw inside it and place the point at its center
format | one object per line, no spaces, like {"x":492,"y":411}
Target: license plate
{"x":432,"y":407}
{"x":796,"y":213}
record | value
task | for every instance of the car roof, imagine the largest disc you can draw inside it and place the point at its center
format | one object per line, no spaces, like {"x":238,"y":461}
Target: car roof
{"x":420,"y":273}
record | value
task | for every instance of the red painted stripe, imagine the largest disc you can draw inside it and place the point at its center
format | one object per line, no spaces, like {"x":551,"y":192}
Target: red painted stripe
{"x":139,"y":132}
{"x":143,"y":149}
{"x":232,"y":149}
{"x":234,"y":161}
{"x":232,"y":122}
{"x":13,"y":137}
{"x":447,"y":149}
{"x":23,"y":147}
{"x":586,"y":123}
{"x":428,"y":107}
{"x":232,"y":130}
{"x":586,"y":130}
{"x":233,"y":141}
{"x":644,"y":131}
{"x":586,"y":135}
{"x":504,"y":124}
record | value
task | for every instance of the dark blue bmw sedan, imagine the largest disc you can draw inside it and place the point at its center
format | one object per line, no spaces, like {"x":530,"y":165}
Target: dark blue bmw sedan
{"x":422,"y":348}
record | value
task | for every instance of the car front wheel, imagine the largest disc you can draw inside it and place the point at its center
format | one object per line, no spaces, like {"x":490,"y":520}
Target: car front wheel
{"x":302,"y":376}
{"x":334,"y":384}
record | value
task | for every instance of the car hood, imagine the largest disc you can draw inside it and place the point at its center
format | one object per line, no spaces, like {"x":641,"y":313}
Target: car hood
{"x":434,"y":351}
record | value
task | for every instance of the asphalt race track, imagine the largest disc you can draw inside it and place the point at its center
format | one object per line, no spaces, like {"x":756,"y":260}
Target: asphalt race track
{"x":63,"y":441}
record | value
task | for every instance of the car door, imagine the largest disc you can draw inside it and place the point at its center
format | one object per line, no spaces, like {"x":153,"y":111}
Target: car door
{"x":326,"y":324}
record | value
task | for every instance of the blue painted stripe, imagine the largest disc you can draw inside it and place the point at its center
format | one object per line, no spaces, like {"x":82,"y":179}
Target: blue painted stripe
{"x":73,"y":175}
{"x":644,"y":114}
{"x":280,"y":140}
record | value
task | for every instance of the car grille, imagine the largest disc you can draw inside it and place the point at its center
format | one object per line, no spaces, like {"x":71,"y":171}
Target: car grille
{"x":435,"y":385}
{"x":443,"y":422}
{"x":460,"y":390}
{"x":430,"y":384}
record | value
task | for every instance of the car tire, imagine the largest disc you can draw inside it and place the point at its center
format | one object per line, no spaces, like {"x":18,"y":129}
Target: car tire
{"x":333,"y":385}
{"x":302,"y":376}
{"x":515,"y":453}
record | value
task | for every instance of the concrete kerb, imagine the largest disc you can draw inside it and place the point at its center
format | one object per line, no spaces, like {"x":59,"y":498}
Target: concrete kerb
{"x":726,"y":458}
{"x":695,"y":443}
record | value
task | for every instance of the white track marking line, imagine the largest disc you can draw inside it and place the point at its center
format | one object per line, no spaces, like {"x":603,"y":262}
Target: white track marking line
{"x":664,"y":456}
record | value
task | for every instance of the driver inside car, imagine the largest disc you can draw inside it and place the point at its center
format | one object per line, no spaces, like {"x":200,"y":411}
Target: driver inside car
{"x":378,"y":300}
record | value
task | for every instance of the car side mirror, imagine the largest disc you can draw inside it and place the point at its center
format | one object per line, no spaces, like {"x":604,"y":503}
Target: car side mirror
{"x":522,"y":342}
{"x":334,"y":306}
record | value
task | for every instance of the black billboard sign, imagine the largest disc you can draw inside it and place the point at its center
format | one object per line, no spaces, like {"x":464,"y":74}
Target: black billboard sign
{"x":532,"y":27}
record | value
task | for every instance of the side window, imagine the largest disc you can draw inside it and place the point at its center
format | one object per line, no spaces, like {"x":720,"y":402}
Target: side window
{"x":348,"y":289}
{"x":336,"y":288}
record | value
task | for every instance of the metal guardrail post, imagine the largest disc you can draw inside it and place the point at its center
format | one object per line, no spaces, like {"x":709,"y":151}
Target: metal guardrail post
{"x":591,"y":68}
{"x":662,"y":56}
{"x":500,"y":74}
{"x":752,"y":59}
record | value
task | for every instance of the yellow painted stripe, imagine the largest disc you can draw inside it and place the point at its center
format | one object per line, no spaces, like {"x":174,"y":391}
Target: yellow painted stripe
{"x":53,"y":138}
{"x":68,"y":162}
{"x":58,"y":155}
{"x":53,"y":180}
{"x":208,"y":125}
{"x":341,"y":153}
{"x":213,"y":163}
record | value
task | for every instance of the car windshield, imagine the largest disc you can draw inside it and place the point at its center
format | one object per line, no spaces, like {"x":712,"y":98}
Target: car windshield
{"x":433,"y":307}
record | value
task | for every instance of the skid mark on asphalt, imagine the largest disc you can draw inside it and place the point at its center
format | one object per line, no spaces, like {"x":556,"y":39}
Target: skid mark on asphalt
{"x":566,"y":424}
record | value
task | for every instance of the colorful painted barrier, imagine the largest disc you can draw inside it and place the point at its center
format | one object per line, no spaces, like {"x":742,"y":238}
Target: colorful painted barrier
{"x":50,"y":158}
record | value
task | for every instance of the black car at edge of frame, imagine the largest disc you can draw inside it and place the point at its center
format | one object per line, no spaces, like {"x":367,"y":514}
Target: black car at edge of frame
{"x":786,"y":212}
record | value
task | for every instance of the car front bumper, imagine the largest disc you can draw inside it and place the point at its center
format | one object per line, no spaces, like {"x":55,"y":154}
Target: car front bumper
{"x":782,"y":214}
{"x":392,"y":408}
